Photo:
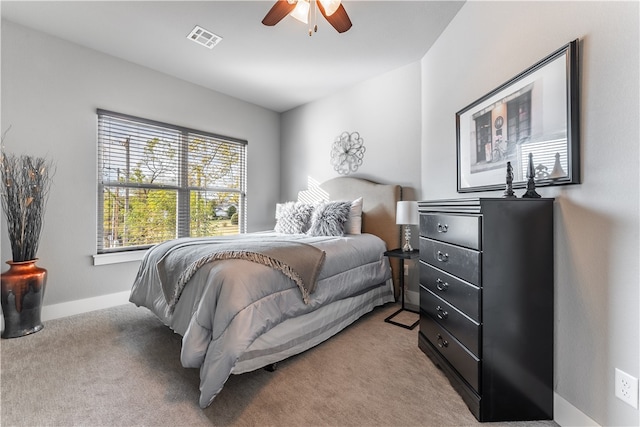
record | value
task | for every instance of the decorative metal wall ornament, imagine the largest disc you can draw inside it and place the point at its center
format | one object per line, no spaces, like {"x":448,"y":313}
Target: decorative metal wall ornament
{"x":347,"y":152}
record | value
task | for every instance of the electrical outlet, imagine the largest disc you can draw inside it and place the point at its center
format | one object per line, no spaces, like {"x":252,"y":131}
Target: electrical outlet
{"x":406,"y":270}
{"x":626,"y":388}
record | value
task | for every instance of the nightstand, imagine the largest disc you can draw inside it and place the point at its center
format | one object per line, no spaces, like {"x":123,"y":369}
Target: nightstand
{"x":402,"y":255}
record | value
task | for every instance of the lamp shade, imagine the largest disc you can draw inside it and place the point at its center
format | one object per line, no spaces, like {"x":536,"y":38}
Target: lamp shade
{"x":301,"y":11}
{"x":407,"y":213}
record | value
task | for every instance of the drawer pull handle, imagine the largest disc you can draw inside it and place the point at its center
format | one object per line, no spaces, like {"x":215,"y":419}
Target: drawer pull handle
{"x":442,"y":343}
{"x":442,"y":257}
{"x":442,"y":228}
{"x":441,"y":286}
{"x":441,"y":313}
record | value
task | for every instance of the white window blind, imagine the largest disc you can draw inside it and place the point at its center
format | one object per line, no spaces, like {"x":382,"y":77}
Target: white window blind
{"x":158,"y":182}
{"x":544,"y":157}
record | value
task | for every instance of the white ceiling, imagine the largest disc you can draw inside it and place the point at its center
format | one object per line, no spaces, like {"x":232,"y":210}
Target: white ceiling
{"x":278,"y":67}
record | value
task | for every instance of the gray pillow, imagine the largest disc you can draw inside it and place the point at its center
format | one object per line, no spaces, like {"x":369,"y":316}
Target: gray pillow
{"x":328,"y":219}
{"x":293,"y":217}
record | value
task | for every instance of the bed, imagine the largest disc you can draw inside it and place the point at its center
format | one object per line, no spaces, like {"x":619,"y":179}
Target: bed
{"x":245,"y":302}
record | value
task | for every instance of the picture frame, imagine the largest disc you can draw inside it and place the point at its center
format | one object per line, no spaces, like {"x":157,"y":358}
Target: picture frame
{"x":535,"y":112}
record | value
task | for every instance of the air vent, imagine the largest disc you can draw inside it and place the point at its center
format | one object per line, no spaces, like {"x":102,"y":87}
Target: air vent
{"x":204,"y":37}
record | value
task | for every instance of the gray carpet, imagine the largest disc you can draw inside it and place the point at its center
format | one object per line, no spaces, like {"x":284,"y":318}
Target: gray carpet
{"x":120,"y":367}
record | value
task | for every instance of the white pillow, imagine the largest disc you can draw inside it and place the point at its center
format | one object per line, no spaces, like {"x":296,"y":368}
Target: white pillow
{"x":354,"y":223}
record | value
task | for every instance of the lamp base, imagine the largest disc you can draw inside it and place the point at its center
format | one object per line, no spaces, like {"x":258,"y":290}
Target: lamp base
{"x":407,"y":239}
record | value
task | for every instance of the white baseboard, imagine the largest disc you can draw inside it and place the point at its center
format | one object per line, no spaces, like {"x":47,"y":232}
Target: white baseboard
{"x":412,"y":297}
{"x":71,"y":308}
{"x":567,"y":415}
{"x":56,"y":311}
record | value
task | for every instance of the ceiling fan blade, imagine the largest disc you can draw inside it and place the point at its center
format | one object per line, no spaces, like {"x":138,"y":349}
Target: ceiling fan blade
{"x":338,"y":19}
{"x":278,"y":11}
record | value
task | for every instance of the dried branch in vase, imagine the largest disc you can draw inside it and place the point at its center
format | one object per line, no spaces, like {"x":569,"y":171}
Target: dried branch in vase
{"x":26,"y":181}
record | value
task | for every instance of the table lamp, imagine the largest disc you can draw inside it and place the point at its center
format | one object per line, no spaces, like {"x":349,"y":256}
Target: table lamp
{"x":407,"y":215}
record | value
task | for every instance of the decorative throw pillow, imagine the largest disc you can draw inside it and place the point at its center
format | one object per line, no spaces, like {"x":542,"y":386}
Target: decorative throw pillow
{"x":293,"y":217}
{"x":328,"y":219}
{"x":354,"y":223}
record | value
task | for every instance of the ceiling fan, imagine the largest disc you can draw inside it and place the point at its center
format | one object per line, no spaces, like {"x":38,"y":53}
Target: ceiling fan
{"x":305,"y":11}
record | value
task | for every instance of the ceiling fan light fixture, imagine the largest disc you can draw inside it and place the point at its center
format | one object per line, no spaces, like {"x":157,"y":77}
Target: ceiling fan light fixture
{"x":301,"y":11}
{"x":307,"y":11}
{"x":330,"y":6}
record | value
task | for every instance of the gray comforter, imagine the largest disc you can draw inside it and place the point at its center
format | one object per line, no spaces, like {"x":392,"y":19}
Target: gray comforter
{"x":182,"y":259}
{"x":229,"y":303}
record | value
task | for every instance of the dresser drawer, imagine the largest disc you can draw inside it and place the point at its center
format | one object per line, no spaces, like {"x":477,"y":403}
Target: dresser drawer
{"x":467,"y":365}
{"x":463,"y":328}
{"x":464,"y":296}
{"x":461,"y":262}
{"x":463,"y":230}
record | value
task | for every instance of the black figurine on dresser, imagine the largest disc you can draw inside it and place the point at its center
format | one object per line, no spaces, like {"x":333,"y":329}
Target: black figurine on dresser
{"x":486,"y":302}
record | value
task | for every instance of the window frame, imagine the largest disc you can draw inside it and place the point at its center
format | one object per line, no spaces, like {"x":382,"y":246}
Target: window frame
{"x":183,"y":189}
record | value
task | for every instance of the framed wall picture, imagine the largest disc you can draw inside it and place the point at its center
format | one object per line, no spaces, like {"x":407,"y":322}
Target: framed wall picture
{"x":535,"y":112}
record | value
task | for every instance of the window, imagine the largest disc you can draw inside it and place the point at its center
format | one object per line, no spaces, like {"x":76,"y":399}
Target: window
{"x":158,"y":182}
{"x":519,"y":118}
{"x":483,"y":137}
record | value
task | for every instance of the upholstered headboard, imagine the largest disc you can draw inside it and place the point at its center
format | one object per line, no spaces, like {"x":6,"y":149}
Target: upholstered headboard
{"x":378,"y":209}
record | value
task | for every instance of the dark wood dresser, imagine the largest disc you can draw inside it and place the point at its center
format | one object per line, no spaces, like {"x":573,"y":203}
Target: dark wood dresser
{"x":486,"y":302}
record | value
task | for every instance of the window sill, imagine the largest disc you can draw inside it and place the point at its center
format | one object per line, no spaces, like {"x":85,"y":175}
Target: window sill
{"x":118,"y":257}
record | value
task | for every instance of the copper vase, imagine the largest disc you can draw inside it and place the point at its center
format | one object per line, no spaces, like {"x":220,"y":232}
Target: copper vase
{"x":22,"y":294}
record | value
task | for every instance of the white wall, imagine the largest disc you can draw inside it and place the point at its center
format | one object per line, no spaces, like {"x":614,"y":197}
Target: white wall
{"x":597,"y":222}
{"x":50,"y":92}
{"x":384,"y":110}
